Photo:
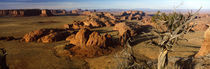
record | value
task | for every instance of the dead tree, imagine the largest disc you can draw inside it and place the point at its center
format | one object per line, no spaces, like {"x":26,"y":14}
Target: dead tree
{"x":3,"y":54}
{"x":168,"y":29}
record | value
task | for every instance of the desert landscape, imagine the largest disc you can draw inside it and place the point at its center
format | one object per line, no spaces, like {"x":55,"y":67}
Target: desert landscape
{"x":104,"y":39}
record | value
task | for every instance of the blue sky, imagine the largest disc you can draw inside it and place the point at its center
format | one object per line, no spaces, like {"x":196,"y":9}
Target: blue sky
{"x":104,"y":4}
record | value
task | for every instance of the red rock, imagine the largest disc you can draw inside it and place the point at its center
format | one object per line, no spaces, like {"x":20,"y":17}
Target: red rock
{"x":122,"y":28}
{"x":67,"y":26}
{"x":205,"y":48}
{"x":200,"y":27}
{"x":70,"y":37}
{"x":81,"y":37}
{"x":46,"y":35}
{"x":90,"y":44}
{"x":35,"y":35}
{"x":53,"y":37}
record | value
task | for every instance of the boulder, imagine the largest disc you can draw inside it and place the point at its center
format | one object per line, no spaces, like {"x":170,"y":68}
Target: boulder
{"x":205,"y":48}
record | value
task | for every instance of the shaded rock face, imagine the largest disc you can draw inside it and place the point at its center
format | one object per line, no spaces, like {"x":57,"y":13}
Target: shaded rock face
{"x":90,"y":44}
{"x":20,"y":12}
{"x":27,"y":12}
{"x":58,"y":12}
{"x":46,"y":35}
{"x":46,"y":13}
{"x":132,"y":15}
{"x":205,"y":48}
{"x":7,"y":38}
{"x":126,"y":35}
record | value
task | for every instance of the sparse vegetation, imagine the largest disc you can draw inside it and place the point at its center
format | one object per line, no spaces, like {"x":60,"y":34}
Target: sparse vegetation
{"x":169,"y":29}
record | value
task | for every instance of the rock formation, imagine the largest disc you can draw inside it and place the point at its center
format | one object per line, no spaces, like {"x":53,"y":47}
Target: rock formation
{"x":46,"y":13}
{"x":123,"y":27}
{"x":26,"y":12}
{"x":81,"y":37}
{"x":77,"y":25}
{"x":200,"y":27}
{"x":205,"y":48}
{"x":94,"y":20}
{"x":132,"y":15}
{"x":58,"y":12}
{"x":90,"y":44}
{"x":46,"y":35}
{"x":7,"y":38}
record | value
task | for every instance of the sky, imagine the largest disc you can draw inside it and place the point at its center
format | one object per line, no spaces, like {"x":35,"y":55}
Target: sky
{"x":104,"y":4}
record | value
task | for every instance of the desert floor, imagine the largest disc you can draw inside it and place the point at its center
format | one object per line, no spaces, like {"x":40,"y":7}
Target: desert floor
{"x":34,"y":55}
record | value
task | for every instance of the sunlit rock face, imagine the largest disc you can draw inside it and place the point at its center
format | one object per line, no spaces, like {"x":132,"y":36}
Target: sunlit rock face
{"x":205,"y":48}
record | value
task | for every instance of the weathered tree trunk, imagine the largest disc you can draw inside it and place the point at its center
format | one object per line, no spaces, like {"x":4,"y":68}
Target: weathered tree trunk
{"x":3,"y":64}
{"x":163,"y":59}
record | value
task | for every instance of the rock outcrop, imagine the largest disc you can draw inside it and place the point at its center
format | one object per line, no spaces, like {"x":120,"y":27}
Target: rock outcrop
{"x":99,"y":19}
{"x":81,"y":37}
{"x":205,"y":48}
{"x":77,"y":25}
{"x":87,"y":43}
{"x":132,"y":15}
{"x":26,"y":12}
{"x":46,"y":13}
{"x":200,"y":27}
{"x":7,"y":38}
{"x":132,"y":27}
{"x":46,"y":35}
